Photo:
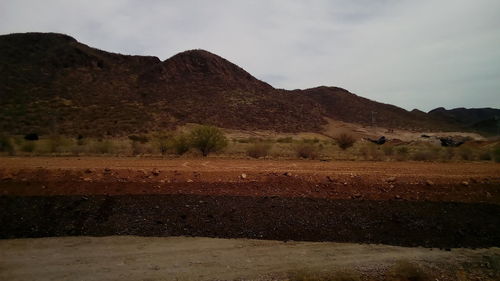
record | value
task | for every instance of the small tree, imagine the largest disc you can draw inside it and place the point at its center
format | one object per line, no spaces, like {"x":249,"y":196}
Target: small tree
{"x":207,"y":139}
{"x":180,"y":143}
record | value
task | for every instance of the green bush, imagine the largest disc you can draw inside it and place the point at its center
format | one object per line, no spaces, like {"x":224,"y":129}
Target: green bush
{"x":496,"y":154}
{"x":103,"y":147}
{"x":207,"y":139}
{"x":345,"y":141}
{"x":6,"y":145}
{"x":285,"y":140}
{"x":137,"y":138}
{"x":180,"y":144}
{"x":258,"y":150}
{"x":28,"y":146}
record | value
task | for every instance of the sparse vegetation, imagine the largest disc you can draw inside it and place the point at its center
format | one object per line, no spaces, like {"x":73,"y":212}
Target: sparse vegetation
{"x":345,"y":141}
{"x":306,"y":150}
{"x":207,"y":139}
{"x":496,"y":154}
{"x":6,"y":145}
{"x":180,"y":144}
{"x":258,"y":150}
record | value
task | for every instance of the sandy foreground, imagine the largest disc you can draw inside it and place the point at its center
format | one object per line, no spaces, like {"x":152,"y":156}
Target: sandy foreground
{"x":182,"y":258}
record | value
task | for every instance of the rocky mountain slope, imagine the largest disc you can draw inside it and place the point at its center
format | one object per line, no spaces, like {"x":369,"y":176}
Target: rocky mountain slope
{"x":51,"y":83}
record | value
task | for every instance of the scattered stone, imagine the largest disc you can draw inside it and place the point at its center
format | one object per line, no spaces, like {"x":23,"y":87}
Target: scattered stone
{"x":189,"y":180}
{"x":162,"y":181}
{"x":465,"y":183}
{"x":428,"y":182}
{"x":155,"y":172}
{"x":391,"y":179}
{"x":288,"y":174}
{"x":107,"y":170}
{"x":87,"y":179}
{"x":243,"y":176}
{"x":397,"y":197}
{"x":356,"y":195}
{"x":345,"y":183}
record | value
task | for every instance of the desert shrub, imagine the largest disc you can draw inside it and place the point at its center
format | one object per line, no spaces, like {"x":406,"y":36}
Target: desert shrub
{"x":31,"y":137}
{"x":485,"y":156}
{"x":180,"y":144}
{"x":162,"y":142}
{"x":496,"y":154}
{"x":388,"y":150}
{"x":285,"y":140}
{"x":28,"y":146}
{"x":207,"y":139}
{"x":137,"y":147}
{"x":103,"y":147}
{"x":138,"y":138}
{"x":345,"y":141}
{"x":306,"y":150}
{"x":55,"y":143}
{"x":447,"y":153}
{"x":406,"y":271}
{"x":423,"y":155}
{"x":308,"y":275}
{"x":258,"y":150}
{"x":314,"y":140}
{"x":401,"y":153}
{"x":6,"y":145}
{"x":372,"y":152}
{"x":466,"y":153}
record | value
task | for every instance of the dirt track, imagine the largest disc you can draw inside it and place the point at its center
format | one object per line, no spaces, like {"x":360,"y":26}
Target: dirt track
{"x":426,"y":204}
{"x":180,"y":258}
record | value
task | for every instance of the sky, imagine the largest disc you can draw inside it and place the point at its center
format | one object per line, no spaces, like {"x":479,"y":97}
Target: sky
{"x":413,"y":54}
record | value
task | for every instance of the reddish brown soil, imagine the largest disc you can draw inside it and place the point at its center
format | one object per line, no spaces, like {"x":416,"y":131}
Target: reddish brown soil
{"x":451,"y":182}
{"x":414,"y":204}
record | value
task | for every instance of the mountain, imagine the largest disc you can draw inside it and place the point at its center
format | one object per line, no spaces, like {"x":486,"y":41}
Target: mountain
{"x":51,"y":83}
{"x":485,"y":120}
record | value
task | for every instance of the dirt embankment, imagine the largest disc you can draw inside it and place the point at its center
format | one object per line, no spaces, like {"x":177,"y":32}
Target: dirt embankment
{"x":412,"y":204}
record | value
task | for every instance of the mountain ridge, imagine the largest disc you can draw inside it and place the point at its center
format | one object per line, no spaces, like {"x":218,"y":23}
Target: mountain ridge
{"x":50,"y":83}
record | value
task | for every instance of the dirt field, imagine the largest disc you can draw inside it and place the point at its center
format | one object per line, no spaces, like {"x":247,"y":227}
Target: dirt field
{"x":436,"y":205}
{"x":180,"y":258}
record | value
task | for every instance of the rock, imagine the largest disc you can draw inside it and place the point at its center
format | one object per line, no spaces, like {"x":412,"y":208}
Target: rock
{"x":243,"y":176}
{"x":87,"y":179}
{"x":189,"y":180}
{"x":88,"y":171}
{"x":428,"y":182}
{"x":330,"y":179}
{"x":391,"y":179}
{"x":465,"y":183}
{"x":288,"y":174}
{"x":107,"y":170}
{"x":488,"y":195}
{"x":397,"y":197}
{"x":155,"y":172}
{"x":356,"y":195}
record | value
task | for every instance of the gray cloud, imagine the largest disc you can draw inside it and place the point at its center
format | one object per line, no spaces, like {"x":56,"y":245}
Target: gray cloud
{"x":414,"y":54}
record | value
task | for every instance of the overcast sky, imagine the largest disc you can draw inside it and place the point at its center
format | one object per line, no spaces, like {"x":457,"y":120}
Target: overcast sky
{"x":414,"y":54}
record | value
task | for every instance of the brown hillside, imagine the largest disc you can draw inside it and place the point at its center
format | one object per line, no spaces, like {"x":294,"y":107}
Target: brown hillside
{"x":50,"y":83}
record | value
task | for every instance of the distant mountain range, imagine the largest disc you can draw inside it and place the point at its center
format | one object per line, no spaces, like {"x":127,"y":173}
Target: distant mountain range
{"x":51,"y":83}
